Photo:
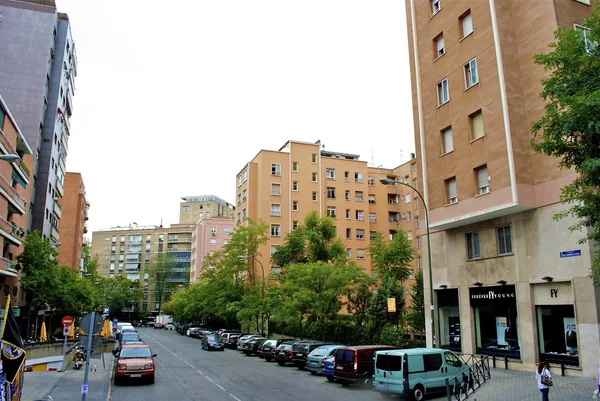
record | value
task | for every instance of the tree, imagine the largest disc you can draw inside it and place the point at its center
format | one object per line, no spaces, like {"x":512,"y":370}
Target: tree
{"x":159,"y":272}
{"x":391,"y":259}
{"x":416,"y":315}
{"x":73,"y":295}
{"x":570,"y":127}
{"x":118,"y":293}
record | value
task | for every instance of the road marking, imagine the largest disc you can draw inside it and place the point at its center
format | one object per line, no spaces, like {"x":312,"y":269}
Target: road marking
{"x":220,"y":387}
{"x":209,"y":379}
{"x":234,"y":397}
{"x":200,"y":372}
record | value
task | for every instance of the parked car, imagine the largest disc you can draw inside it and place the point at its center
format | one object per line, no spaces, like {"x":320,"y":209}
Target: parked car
{"x":267,"y":348}
{"x":328,"y":368}
{"x":301,"y":351}
{"x":229,"y":337}
{"x":169,"y":326}
{"x":355,"y":364}
{"x":135,"y":361}
{"x":283,"y":354}
{"x":193,"y":327}
{"x":241,"y":340}
{"x":129,"y":336}
{"x":149,"y":324}
{"x":415,"y":372}
{"x":316,"y":359}
{"x":251,"y":346}
{"x":158,"y":325}
{"x":211,"y":341}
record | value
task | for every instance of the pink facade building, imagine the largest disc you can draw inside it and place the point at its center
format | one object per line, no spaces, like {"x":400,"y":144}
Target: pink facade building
{"x":209,"y":236}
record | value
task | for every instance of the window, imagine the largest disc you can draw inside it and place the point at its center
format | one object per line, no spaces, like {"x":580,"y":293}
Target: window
{"x":414,"y":183}
{"x":407,"y":198}
{"x":482,"y":180}
{"x":440,"y":50}
{"x":408,"y":216}
{"x":348,"y":252}
{"x":413,"y":167}
{"x":275,"y":230}
{"x":432,"y":362}
{"x":442,"y":92}
{"x":227,"y":230}
{"x":348,"y":214}
{"x":275,"y":169}
{"x":466,"y":24}
{"x":358,"y":196}
{"x":471,"y":76}
{"x":295,"y":206}
{"x":585,"y":33}
{"x":504,"y":240}
{"x":243,"y":195}
{"x":360,"y":254}
{"x":420,"y":262}
{"x":358,"y":177}
{"x":473,"y":251}
{"x":372,"y":235}
{"x":331,"y":211}
{"x":244,"y":214}
{"x":314,"y":196}
{"x":295,"y":186}
{"x":372,"y":218}
{"x":372,"y":199}
{"x":213,"y":242}
{"x":416,"y":203}
{"x":435,"y":6}
{"x":314,"y":158}
{"x":239,"y":181}
{"x":360,"y":234}
{"x":360,"y":215}
{"x":417,"y":222}
{"x":238,"y":218}
{"x":213,"y":229}
{"x":275,"y":209}
{"x":245,"y":175}
{"x":451,"y":190}
{"x":186,"y":208}
{"x":330,"y":193}
{"x":584,"y":2}
{"x":418,"y":242}
{"x":476,"y":120}
{"x":239,"y":202}
{"x":409,"y":235}
{"x":348,"y":233}
{"x":276,"y":189}
{"x":330,"y":174}
{"x":295,"y":167}
{"x":371,"y":181}
{"x":347,"y":195}
{"x":273,"y":249}
{"x":346,"y":176}
{"x":314,"y":177}
{"x":294,"y":224}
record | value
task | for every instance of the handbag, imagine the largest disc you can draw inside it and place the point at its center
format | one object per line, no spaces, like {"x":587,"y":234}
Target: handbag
{"x":546,"y":380}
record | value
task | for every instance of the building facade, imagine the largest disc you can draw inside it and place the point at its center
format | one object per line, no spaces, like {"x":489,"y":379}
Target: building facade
{"x":195,"y":208}
{"x":131,"y":250}
{"x":509,"y":280}
{"x":281,"y":187}
{"x":209,"y":236}
{"x":14,"y":199}
{"x":73,"y":213}
{"x":37,"y":73}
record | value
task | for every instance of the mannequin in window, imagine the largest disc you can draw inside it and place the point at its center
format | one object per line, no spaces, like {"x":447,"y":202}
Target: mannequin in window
{"x":571,"y":338}
{"x":510,"y":336}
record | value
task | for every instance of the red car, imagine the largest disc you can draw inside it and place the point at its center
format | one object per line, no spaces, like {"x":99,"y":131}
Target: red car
{"x":158,"y":325}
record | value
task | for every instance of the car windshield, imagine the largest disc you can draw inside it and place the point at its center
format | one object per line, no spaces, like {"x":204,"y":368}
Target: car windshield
{"x":130,"y":337}
{"x":211,"y":338}
{"x":285,"y":346}
{"x":135,"y":352}
{"x":269,"y":343}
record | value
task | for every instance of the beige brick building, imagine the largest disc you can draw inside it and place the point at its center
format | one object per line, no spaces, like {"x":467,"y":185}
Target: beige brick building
{"x":195,"y":208}
{"x":281,"y":187}
{"x":74,"y":210}
{"x":508,"y":279}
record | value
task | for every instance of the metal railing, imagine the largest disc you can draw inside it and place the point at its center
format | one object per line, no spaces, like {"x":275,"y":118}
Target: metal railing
{"x":464,"y":384}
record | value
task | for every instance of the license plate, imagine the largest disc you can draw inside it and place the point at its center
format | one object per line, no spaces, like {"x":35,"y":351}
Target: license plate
{"x":267,"y":349}
{"x":136,"y":375}
{"x":299,"y":355}
{"x":339,"y":367}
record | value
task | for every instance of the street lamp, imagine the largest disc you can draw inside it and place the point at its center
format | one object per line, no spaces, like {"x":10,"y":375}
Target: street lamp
{"x":389,"y":181}
{"x":10,"y":158}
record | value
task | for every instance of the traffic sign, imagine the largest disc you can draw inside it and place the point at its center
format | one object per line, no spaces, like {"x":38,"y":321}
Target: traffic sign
{"x":66,"y":330}
{"x":97,"y":323}
{"x":67,"y":321}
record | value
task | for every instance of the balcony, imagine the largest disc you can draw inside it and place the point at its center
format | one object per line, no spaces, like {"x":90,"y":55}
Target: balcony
{"x":8,"y":268}
{"x":11,"y":232}
{"x":182,"y":259}
{"x":11,"y":194}
{"x":59,"y":187}
{"x":6,"y":143}
{"x":69,"y":103}
{"x":134,"y":242}
{"x":54,"y":234}
{"x":138,"y":251}
{"x":57,"y":210}
{"x":179,"y":249}
{"x":178,"y":240}
{"x":85,"y":227}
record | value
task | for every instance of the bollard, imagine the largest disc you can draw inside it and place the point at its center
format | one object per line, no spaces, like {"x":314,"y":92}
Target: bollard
{"x":562,"y":368}
{"x":448,"y":389}
{"x":505,"y":361}
{"x":494,"y":360}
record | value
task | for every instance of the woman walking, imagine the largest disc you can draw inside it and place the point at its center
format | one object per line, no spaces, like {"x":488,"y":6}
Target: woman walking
{"x":544,"y":379}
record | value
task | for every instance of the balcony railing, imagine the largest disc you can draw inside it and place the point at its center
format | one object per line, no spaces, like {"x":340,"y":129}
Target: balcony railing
{"x":12,"y":194}
{"x":134,"y":242}
{"x":57,"y":210}
{"x":54,"y":233}
{"x":6,"y":143}
{"x":59,"y":187}
{"x":176,"y":240}
{"x":179,"y":249}
{"x":9,"y":265}
{"x":12,"y":229}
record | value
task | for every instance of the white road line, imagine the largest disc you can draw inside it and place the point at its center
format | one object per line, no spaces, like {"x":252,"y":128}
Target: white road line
{"x":199,"y":372}
{"x":234,"y":397}
{"x":191,"y":366}
{"x":220,"y":387}
{"x":209,"y":379}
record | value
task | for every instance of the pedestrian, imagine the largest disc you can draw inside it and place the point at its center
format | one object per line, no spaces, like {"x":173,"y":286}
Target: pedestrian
{"x":544,"y":379}
{"x":596,"y":394}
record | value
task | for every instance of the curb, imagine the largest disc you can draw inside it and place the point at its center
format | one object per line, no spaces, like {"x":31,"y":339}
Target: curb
{"x":110,"y":382}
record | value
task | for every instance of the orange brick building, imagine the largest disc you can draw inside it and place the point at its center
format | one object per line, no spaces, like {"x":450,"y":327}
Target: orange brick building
{"x":74,"y":209}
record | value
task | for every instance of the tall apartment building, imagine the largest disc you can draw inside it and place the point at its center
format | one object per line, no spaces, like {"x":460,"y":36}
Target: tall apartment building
{"x":37,"y":72}
{"x":508,"y":279}
{"x":130,"y":250}
{"x":282,"y":187}
{"x":14,"y":196}
{"x":73,"y":214}
{"x":209,"y":236}
{"x":196,"y":208}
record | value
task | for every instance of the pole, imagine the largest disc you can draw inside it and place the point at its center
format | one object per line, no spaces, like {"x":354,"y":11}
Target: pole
{"x":88,"y":354}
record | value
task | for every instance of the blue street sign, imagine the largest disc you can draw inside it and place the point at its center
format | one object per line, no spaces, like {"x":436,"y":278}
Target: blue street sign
{"x":569,"y":254}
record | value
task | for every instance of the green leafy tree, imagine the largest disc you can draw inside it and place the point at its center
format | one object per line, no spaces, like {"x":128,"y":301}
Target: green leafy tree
{"x":159,"y":272}
{"x":391,"y":259}
{"x":118,"y":293}
{"x":416,"y":315}
{"x":570,"y":127}
{"x":73,"y":294}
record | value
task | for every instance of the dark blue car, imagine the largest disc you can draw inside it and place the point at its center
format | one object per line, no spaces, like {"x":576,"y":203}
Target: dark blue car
{"x":328,"y":367}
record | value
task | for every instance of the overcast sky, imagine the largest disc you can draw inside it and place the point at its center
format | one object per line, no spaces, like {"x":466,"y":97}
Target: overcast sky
{"x":173,"y":98}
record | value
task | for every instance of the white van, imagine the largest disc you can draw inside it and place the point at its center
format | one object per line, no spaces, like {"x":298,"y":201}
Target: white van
{"x":415,"y":372}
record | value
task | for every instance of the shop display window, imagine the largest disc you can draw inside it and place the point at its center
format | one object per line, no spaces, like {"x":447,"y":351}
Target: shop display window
{"x":557,"y":331}
{"x":449,"y":319}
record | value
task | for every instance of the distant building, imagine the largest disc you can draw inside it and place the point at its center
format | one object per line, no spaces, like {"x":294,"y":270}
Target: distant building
{"x":37,"y":78}
{"x":74,"y":209}
{"x":195,"y":208}
{"x":208,"y":237}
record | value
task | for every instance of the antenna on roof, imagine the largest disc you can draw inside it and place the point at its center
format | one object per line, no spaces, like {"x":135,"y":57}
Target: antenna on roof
{"x":161,"y":223}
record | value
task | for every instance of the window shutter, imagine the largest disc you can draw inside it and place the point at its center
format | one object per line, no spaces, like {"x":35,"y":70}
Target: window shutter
{"x":448,"y":145}
{"x":452,"y":188}
{"x":467,"y":24}
{"x":477,"y":121}
{"x":440,"y":45}
{"x":482,"y":177}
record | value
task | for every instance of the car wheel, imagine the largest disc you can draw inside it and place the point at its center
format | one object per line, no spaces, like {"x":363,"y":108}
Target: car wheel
{"x":418,"y":393}
{"x":367,"y":382}
{"x":268,"y":359}
{"x":118,"y":381}
{"x":280,"y":363}
{"x":345,"y":384}
{"x":330,"y":379}
{"x":151,"y":379}
{"x":313,"y":373}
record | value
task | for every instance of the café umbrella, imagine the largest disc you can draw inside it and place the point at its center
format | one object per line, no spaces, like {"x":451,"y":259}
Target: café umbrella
{"x":71,"y":335}
{"x":43,"y":334}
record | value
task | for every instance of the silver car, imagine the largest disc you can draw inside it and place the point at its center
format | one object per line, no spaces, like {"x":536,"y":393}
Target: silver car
{"x":316,"y":359}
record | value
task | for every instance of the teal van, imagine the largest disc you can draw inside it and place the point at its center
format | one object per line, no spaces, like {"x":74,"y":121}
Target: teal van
{"x":415,"y":372}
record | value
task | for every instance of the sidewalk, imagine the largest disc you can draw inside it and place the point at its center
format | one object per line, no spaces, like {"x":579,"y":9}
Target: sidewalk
{"x":67,"y":385}
{"x":515,"y":385}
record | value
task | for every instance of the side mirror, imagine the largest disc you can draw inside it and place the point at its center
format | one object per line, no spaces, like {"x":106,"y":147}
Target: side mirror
{"x":153,"y":355}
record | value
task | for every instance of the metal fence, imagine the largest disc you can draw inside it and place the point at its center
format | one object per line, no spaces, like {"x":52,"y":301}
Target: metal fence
{"x":463,"y":385}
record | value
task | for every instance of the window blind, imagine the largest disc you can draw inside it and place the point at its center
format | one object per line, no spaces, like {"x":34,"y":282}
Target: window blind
{"x":477,"y":121}
{"x":482,"y":177}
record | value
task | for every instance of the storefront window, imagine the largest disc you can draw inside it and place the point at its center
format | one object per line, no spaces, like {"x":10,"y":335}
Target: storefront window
{"x":557,"y":332}
{"x":496,"y":323}
{"x":449,"y":319}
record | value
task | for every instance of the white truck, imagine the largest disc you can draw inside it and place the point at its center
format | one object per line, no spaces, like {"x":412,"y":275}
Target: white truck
{"x":164,"y":319}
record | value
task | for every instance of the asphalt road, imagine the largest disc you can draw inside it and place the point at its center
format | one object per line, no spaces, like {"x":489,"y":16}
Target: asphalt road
{"x":187,"y":372}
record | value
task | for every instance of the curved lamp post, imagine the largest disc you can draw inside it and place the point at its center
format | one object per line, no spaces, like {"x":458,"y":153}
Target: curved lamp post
{"x":10,"y":158}
{"x":389,"y":181}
